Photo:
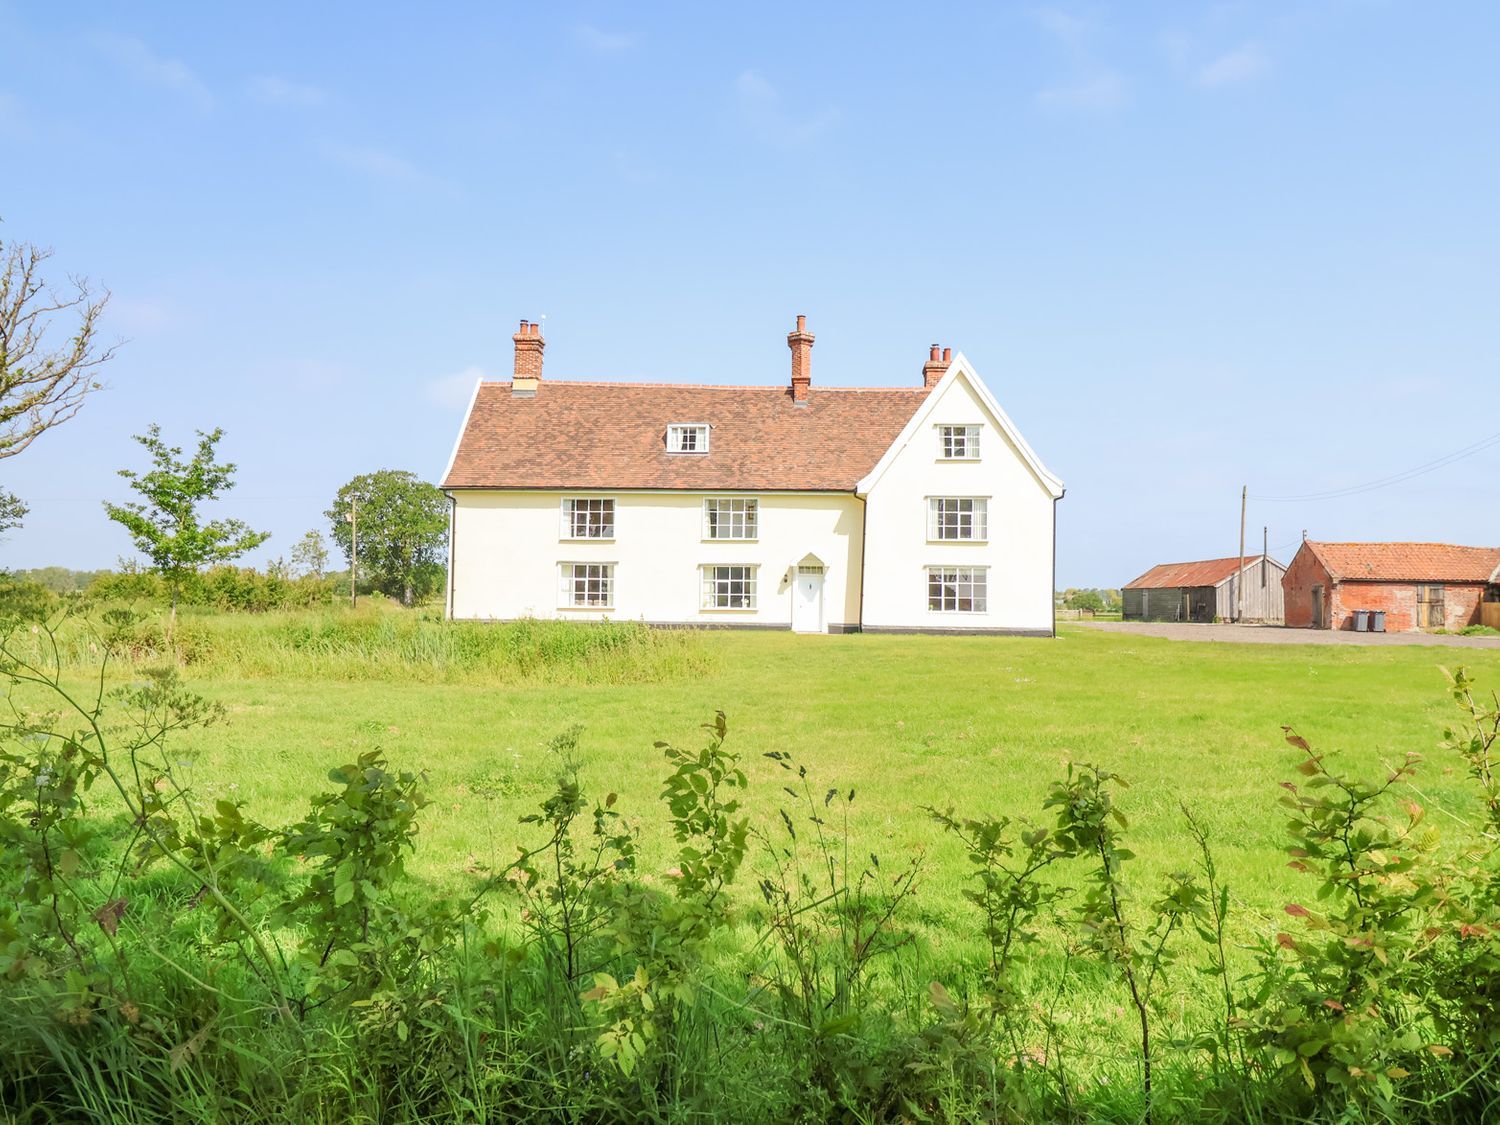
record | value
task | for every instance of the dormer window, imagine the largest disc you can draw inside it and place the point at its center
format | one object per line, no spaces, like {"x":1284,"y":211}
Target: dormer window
{"x":687,"y":437}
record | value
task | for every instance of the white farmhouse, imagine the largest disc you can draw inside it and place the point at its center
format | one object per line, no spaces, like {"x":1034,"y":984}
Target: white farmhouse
{"x":835,"y":509}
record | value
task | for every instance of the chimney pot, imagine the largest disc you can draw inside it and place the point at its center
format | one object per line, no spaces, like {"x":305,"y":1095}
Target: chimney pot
{"x":936,"y":366}
{"x":801,"y":342}
{"x":529,"y":347}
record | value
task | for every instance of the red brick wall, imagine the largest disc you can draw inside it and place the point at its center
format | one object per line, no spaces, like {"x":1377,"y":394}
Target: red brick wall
{"x":1301,"y":576}
{"x":1399,"y":600}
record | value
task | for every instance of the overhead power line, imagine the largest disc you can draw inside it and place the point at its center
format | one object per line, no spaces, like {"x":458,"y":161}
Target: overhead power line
{"x":1395,"y":478}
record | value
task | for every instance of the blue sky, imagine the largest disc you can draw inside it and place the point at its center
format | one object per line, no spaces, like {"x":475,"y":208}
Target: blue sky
{"x":1189,"y":246}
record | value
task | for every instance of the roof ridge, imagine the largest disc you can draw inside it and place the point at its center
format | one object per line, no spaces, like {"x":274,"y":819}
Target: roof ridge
{"x":1217,"y":558}
{"x":1398,"y":543}
{"x":772,"y":387}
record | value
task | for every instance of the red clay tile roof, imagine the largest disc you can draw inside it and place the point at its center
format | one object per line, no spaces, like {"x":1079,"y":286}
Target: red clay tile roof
{"x":613,"y":435}
{"x":1407,"y":562}
{"x":1209,"y":572}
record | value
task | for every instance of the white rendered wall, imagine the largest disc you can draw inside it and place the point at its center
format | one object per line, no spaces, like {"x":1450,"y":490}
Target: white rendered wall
{"x":507,"y":547}
{"x":1018,"y":553}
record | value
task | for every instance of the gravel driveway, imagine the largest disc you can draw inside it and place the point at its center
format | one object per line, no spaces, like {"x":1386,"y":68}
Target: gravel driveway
{"x":1280,"y":635}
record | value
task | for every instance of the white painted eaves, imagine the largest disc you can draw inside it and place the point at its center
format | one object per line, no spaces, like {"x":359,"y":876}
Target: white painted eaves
{"x":462,"y":429}
{"x":961,"y":368}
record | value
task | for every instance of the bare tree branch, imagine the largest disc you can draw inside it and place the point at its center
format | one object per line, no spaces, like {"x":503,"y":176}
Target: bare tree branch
{"x":43,"y":380}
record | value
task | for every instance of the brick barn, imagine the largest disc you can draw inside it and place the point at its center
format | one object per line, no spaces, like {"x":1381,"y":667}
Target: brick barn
{"x":1205,"y":591}
{"x":1418,"y":585}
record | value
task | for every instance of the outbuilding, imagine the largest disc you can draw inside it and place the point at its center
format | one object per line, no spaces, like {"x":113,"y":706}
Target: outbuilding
{"x":1206,"y":591}
{"x":1415,"y":585}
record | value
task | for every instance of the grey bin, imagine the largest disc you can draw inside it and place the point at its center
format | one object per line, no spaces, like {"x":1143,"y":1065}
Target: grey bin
{"x":1361,"y":620}
{"x":1377,"y":621}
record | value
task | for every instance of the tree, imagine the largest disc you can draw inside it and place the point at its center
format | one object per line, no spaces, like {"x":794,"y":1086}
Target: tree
{"x":43,"y":379}
{"x":403,"y":529}
{"x":167,"y":528}
{"x":42,"y":383}
{"x":310,"y":555}
{"x":12,"y":510}
{"x":1090,"y":600}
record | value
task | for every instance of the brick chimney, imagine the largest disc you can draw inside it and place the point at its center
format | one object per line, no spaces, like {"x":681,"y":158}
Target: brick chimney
{"x":801,"y":342}
{"x":936,"y":366}
{"x":529,"y":345}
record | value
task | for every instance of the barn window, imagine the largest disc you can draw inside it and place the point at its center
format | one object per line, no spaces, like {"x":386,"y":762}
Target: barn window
{"x":960,"y":518}
{"x":957,"y":589}
{"x":588,"y":585}
{"x":588,"y":518}
{"x":959,"y":443}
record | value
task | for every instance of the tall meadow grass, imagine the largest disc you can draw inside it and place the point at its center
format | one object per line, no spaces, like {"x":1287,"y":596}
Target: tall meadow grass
{"x":380,"y":643}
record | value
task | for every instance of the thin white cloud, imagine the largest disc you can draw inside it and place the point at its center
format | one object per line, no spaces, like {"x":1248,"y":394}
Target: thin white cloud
{"x":1091,"y":86}
{"x":1067,"y":28}
{"x":1099,"y":94}
{"x":603,"y":42}
{"x":1239,"y":65}
{"x":452,"y":391}
{"x":274,"y":90}
{"x":377,"y":163}
{"x":143,"y":64}
{"x":762,"y":109}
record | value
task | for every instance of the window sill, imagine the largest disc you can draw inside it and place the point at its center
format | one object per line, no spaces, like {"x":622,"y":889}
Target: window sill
{"x":957,"y":460}
{"x":723,"y":539}
{"x":958,"y":542}
{"x":575,"y":539}
{"x":728,"y":609}
{"x":585,"y":609}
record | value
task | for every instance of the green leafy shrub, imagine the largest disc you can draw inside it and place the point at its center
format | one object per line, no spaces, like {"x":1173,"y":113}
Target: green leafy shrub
{"x":163,"y":957}
{"x":228,"y":588}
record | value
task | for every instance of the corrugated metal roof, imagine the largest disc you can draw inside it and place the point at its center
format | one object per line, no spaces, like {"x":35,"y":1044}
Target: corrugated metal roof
{"x":1208,"y":572}
{"x":1407,"y":562}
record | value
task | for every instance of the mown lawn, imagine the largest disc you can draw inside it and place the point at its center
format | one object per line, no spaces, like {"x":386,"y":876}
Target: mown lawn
{"x":982,"y":724}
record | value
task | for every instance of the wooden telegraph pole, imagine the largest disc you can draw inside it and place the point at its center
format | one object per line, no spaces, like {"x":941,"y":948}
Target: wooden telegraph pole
{"x":1239,"y":580}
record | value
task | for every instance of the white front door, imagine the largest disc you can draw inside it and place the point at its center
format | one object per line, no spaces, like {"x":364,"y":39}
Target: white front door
{"x":807,"y":601}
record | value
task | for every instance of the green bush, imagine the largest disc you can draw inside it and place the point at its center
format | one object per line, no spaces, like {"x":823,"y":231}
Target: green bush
{"x":166,"y":957}
{"x":230,"y":588}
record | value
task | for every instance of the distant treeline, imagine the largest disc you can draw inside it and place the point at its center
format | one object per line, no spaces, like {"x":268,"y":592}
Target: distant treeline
{"x":221,"y":587}
{"x":1089,"y":597}
{"x":59,"y":579}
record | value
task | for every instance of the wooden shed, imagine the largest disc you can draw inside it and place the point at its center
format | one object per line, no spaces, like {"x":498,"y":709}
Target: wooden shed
{"x":1206,"y":591}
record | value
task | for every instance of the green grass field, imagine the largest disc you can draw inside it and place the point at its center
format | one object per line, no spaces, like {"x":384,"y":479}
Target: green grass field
{"x":982,"y":724}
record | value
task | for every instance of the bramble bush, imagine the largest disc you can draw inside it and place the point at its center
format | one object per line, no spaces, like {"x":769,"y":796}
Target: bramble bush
{"x":163,"y":957}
